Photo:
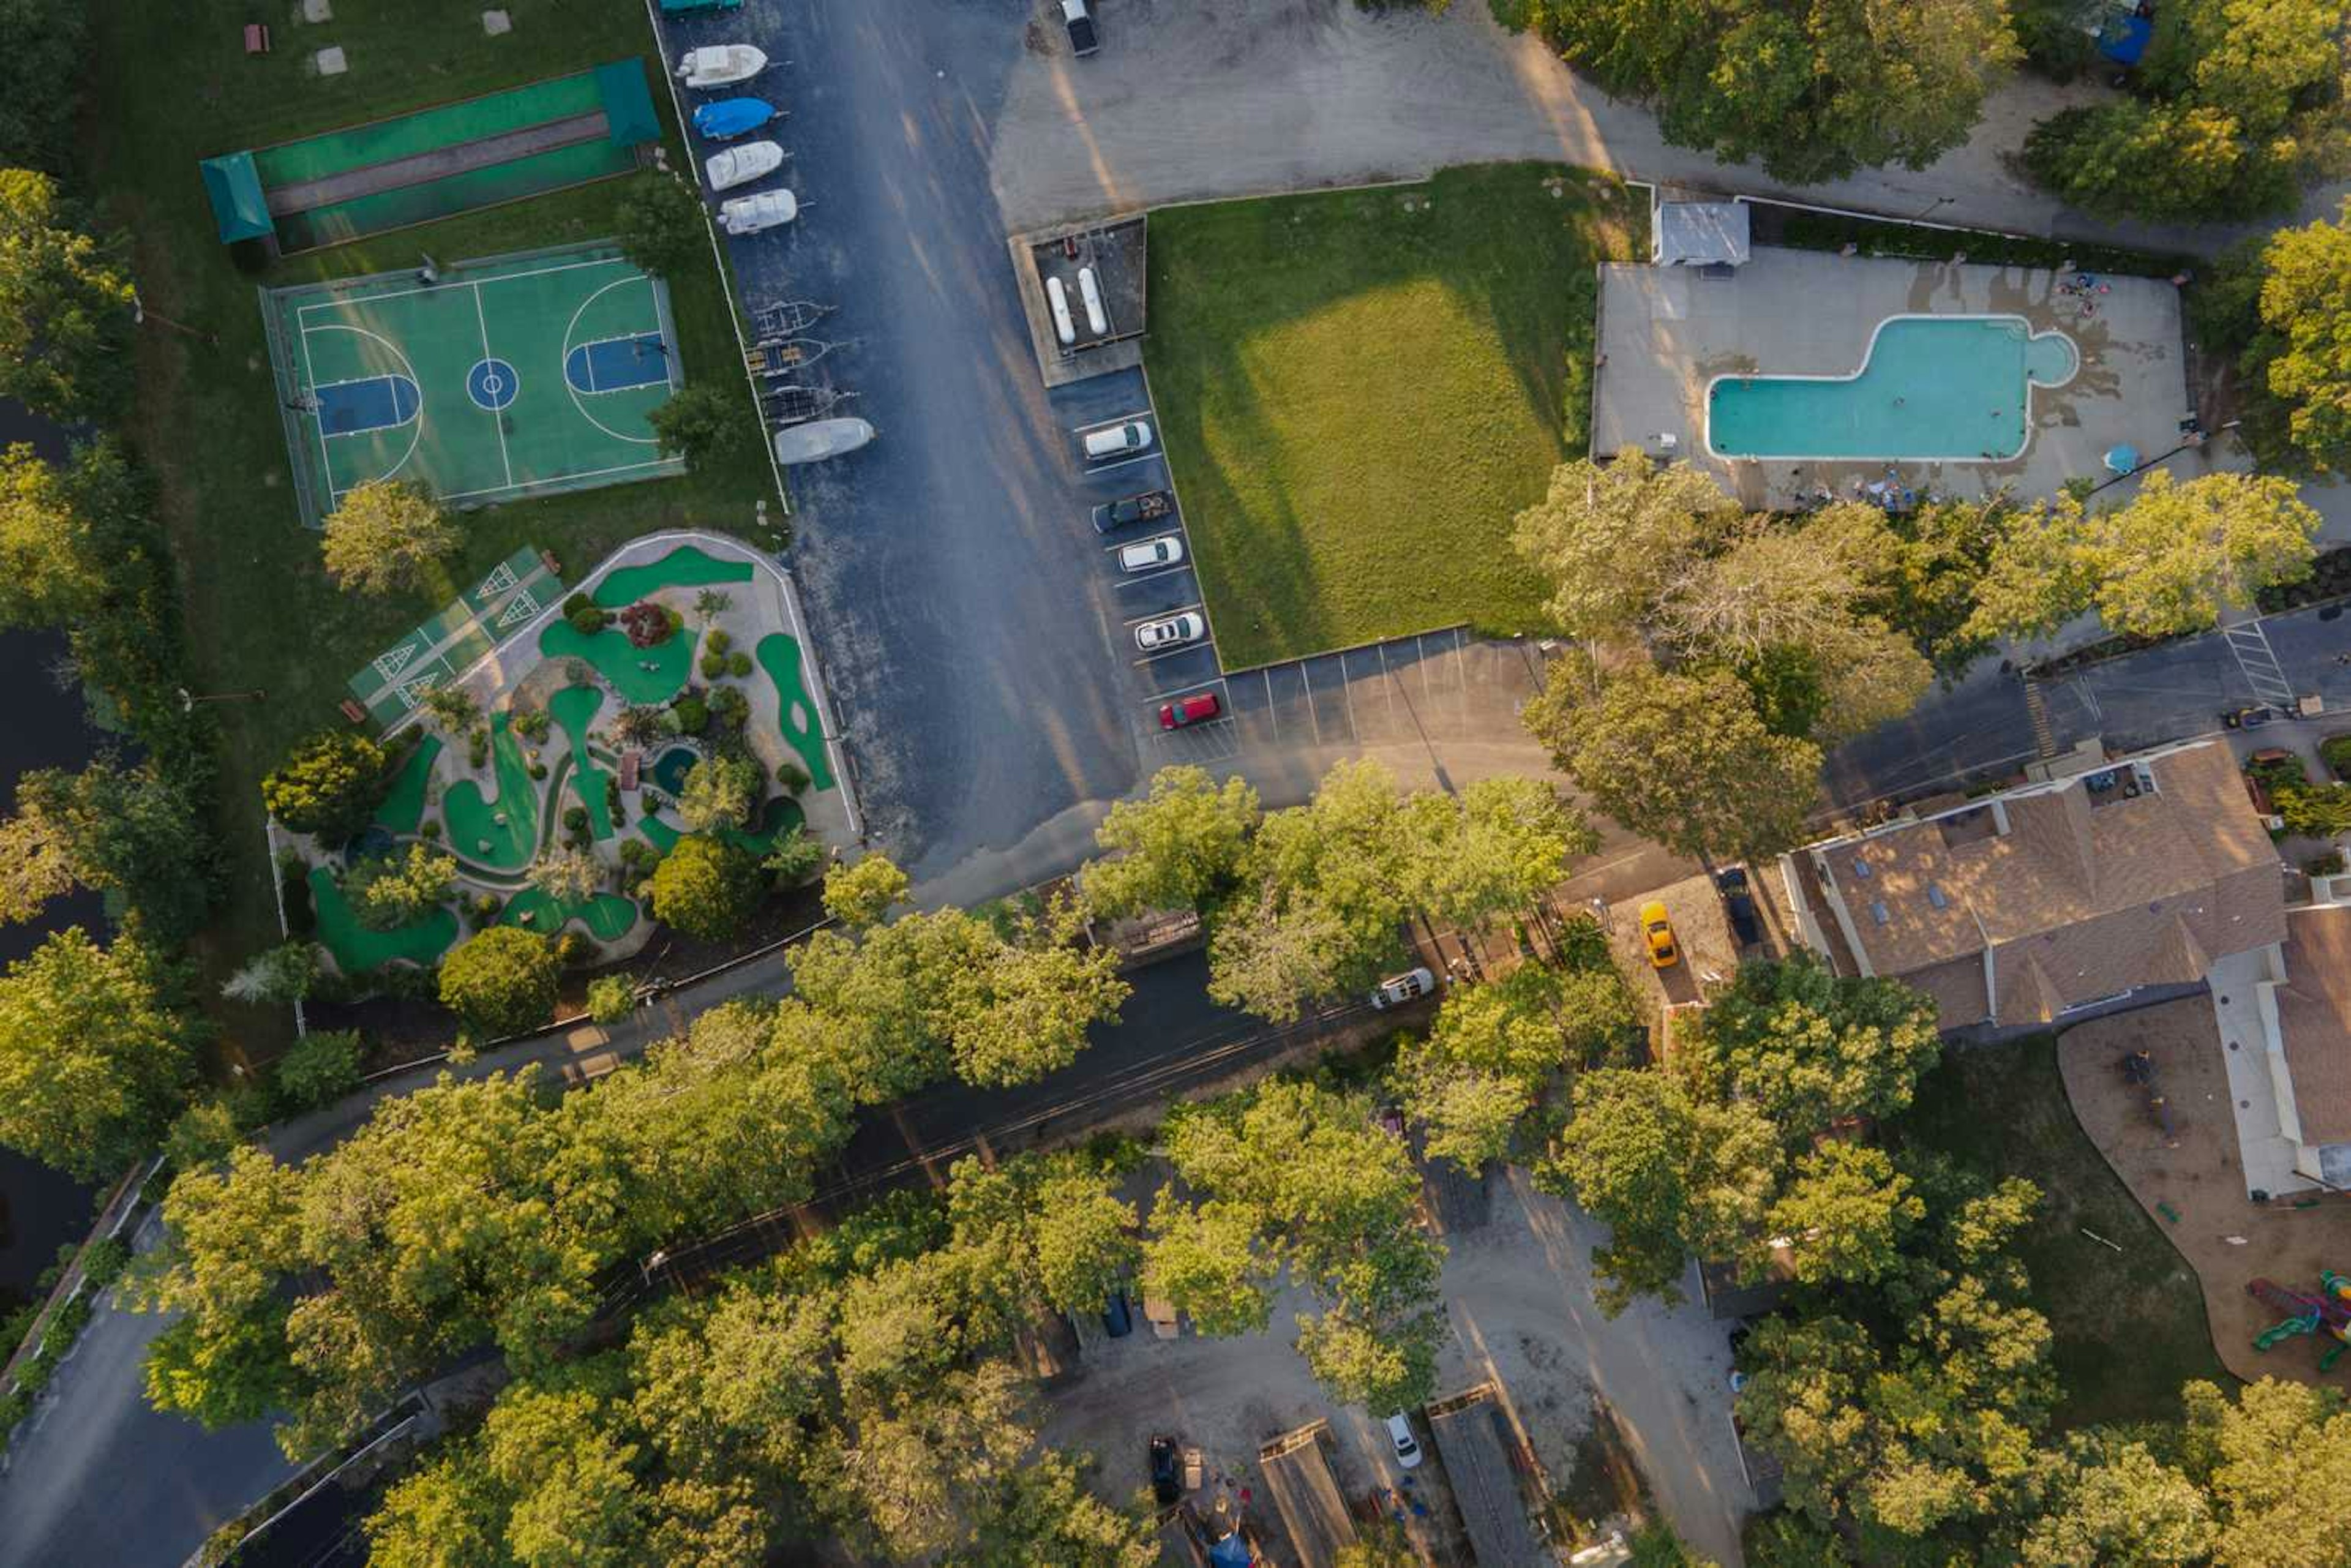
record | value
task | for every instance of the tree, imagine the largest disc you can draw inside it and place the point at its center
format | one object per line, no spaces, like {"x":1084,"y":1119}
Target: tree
{"x":281,"y":974}
{"x":329,"y":786}
{"x":1025,"y":1012}
{"x":65,"y":306}
{"x":2112,"y":1502}
{"x":132,"y":832}
{"x":1208,"y":1261}
{"x":711,"y":604}
{"x":1269,"y":960}
{"x":661,"y":227}
{"x":1043,"y":1512}
{"x":2270,"y":1462}
{"x":1494,"y":1049}
{"x":1179,"y":847}
{"x":454,"y":708}
{"x":41,"y":79}
{"x":1083,"y":1242}
{"x":612,"y":997}
{"x":1381,"y":1367}
{"x":500,"y":982}
{"x":2169,"y":162}
{"x":793,"y":858}
{"x":2179,"y":554}
{"x":1680,"y":759}
{"x":97,"y":1051}
{"x":860,"y":894}
{"x":706,"y":887}
{"x":1667,"y":1172}
{"x":720,"y":793}
{"x":700,"y":423}
{"x":50,"y":567}
{"x":1503,"y":845}
{"x":1612,"y":539}
{"x":390,"y":892}
{"x":1846,"y":1213}
{"x":1809,"y":1048}
{"x":319,"y":1069}
{"x":2303,"y":290}
{"x":385,"y":536}
{"x":571,"y":877}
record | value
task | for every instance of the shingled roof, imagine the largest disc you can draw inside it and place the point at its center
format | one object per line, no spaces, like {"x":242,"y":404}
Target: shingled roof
{"x":2018,"y":908}
{"x":2314,"y":1008}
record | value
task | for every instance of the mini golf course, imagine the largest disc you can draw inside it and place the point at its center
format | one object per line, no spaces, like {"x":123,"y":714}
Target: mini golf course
{"x":356,"y":948}
{"x":688,"y":566}
{"x":503,"y":834}
{"x":403,"y":808}
{"x":607,"y":916}
{"x":642,"y":676}
{"x":778,"y":817}
{"x":574,"y":707}
{"x":779,"y":655}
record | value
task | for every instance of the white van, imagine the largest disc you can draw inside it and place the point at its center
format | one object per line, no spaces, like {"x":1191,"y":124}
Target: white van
{"x":1116,"y":440}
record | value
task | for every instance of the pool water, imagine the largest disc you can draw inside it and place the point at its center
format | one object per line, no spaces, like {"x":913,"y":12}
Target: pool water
{"x":1940,"y":388}
{"x":670,"y":768}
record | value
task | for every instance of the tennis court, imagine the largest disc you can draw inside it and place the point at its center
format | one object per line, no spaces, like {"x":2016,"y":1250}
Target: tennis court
{"x":516,"y":376}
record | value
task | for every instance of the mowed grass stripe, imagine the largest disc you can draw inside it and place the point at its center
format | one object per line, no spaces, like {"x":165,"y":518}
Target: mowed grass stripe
{"x":1361,"y":389}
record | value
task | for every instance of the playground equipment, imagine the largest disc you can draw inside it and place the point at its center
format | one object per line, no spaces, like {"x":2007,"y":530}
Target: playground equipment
{"x":2139,"y":1066}
{"x":2304,"y":1315}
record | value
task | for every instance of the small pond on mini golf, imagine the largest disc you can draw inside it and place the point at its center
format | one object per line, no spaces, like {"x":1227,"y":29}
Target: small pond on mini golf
{"x":670,"y":768}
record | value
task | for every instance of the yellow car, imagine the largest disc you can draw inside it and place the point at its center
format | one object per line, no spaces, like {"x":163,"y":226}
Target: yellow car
{"x":1658,"y":932}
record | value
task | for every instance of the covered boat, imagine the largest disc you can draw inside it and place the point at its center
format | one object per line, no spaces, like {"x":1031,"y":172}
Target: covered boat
{"x":820,"y":439}
{"x":750,"y":215}
{"x":742,"y":165}
{"x":720,"y":65}
{"x":724,"y":119}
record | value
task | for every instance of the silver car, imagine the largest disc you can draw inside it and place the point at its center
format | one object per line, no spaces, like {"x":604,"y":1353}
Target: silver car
{"x":1167,"y":550}
{"x":1173,"y":632}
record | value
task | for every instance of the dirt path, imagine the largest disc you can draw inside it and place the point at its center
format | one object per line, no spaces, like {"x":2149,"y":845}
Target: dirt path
{"x":1193,"y":100}
{"x":2227,"y":1239}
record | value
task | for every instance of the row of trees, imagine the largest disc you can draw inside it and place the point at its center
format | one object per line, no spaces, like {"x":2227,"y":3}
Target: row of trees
{"x":859,"y":1387}
{"x":2276,"y":304}
{"x":1312,"y":902}
{"x":1721,"y":653}
{"x":487,"y":1212}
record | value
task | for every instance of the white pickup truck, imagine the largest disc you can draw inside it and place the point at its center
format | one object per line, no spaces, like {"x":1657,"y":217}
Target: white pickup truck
{"x":1078,"y":15}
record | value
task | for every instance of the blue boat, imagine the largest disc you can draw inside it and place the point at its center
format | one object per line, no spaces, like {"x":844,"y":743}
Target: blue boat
{"x":722,"y":120}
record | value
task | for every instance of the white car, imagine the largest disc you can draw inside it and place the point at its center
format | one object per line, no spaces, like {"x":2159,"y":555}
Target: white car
{"x":1398,"y":989}
{"x":750,"y":215}
{"x":1167,"y":550}
{"x":1113,"y":440}
{"x":1173,"y":632}
{"x":1407,"y":1447}
{"x":742,"y":163}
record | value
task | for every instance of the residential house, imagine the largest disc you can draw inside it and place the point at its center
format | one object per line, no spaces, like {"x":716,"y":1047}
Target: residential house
{"x":2114,"y":887}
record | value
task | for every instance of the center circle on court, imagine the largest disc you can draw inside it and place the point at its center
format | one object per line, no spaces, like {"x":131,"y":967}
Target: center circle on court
{"x":492,"y":384}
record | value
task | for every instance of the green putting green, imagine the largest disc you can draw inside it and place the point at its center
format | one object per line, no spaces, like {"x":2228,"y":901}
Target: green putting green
{"x":404,"y":810}
{"x":778,"y":817}
{"x":685,"y":567}
{"x":621,"y":663}
{"x":607,"y":916}
{"x":659,"y":834}
{"x":779,"y":655}
{"x":574,"y":707}
{"x":504,"y":834}
{"x":358,"y":950}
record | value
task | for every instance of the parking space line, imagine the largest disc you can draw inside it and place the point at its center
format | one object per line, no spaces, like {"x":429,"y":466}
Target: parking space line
{"x":1347,"y":690}
{"x":1173,"y":692}
{"x":1161,"y":614}
{"x":1461,"y":673}
{"x":1272,"y":711}
{"x":1122,"y":462}
{"x":1304,"y":681}
{"x":1170,"y":653}
{"x":1420,"y":657}
{"x":1387,"y":682}
{"x":1127,"y":580}
{"x":1114,"y":419}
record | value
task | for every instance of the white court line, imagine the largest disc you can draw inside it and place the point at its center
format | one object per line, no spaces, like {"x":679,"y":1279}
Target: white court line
{"x":592,"y":388}
{"x":561,"y":479}
{"x":498,"y":422}
{"x":1273,"y":711}
{"x":473,"y":283}
{"x":326,"y":461}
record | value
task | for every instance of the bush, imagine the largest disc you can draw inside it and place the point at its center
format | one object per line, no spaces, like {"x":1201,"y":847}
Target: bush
{"x":575,"y":819}
{"x":612,"y":799}
{"x":718,"y":641}
{"x":713,"y":665}
{"x":103,"y":1260}
{"x":2335,"y":752}
{"x":2313,"y":810}
{"x":647,"y":624}
{"x":573,"y":949}
{"x":733,"y":709}
{"x":792,"y":776}
{"x":739,"y":666}
{"x":202,"y":1136}
{"x":320,"y":1069}
{"x":329,"y":785}
{"x":693,"y":713}
{"x":533,"y":725}
{"x":588,"y":619}
{"x":500,"y":982}
{"x":429,"y":830}
{"x":612,"y":997}
{"x":2328,"y":864}
{"x":477,"y":750}
{"x":706,"y":887}
{"x":538,"y":770}
{"x":573,"y":603}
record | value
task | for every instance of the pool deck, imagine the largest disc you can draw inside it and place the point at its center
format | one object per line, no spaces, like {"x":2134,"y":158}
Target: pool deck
{"x":1666,"y":332}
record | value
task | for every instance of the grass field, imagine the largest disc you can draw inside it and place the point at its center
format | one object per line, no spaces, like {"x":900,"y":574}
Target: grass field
{"x":2129,"y":1326}
{"x":260,"y":610}
{"x":1361,"y":389}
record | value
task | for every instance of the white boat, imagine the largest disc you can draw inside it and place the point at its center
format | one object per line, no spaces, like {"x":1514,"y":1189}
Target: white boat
{"x":720,"y":65}
{"x":742,"y":163}
{"x":750,"y":215}
{"x":820,"y":439}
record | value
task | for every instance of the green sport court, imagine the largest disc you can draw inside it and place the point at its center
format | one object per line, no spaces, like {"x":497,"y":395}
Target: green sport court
{"x":515,"y":376}
{"x":506,"y":598}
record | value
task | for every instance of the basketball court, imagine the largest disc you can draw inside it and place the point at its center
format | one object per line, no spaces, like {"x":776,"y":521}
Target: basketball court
{"x":488,"y":381}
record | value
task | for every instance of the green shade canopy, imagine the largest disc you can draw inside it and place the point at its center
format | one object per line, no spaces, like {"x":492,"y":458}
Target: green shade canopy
{"x":239,"y":210}
{"x":629,"y":117}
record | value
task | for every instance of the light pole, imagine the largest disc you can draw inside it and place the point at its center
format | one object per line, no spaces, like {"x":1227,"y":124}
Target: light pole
{"x":188,"y":700}
{"x":1931,"y":206}
{"x":140,"y":315}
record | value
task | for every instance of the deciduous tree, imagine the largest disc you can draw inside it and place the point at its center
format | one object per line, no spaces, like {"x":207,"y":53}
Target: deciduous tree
{"x":2271,"y":1461}
{"x":1808,"y":1047}
{"x":329,"y":785}
{"x":706,"y":887}
{"x":1179,"y":847}
{"x":131,"y":831}
{"x":862,"y":893}
{"x":1612,"y":538}
{"x":701,"y":423}
{"x":1846,"y":1213}
{"x":569,"y":877}
{"x":720,"y":793}
{"x":389,"y":892}
{"x":386,"y":536}
{"x":500,"y":982}
{"x":41,"y":79}
{"x":2110,"y":1501}
{"x":65,"y":305}
{"x":661,"y":227}
{"x":50,"y":570}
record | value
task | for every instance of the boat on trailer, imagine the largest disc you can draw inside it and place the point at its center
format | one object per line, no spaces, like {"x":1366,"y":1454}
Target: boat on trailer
{"x":820,"y":439}
{"x":750,"y":215}
{"x":725,"y":118}
{"x":720,"y":65}
{"x":742,"y":163}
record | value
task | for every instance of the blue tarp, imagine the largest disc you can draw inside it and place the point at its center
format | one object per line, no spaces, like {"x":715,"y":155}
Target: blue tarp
{"x":1232,"y":1552}
{"x":2125,"y":40}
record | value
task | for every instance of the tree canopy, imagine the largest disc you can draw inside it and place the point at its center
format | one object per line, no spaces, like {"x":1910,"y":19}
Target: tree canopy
{"x":127,"y":831}
{"x":328,"y":785}
{"x":385,"y":536}
{"x":1179,"y":847}
{"x":501,"y":981}
{"x":65,"y":305}
{"x":708,"y":887}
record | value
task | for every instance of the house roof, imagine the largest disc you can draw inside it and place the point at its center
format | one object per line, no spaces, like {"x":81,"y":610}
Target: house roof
{"x":1701,"y":233}
{"x":2314,"y":1016}
{"x":2138,"y":874}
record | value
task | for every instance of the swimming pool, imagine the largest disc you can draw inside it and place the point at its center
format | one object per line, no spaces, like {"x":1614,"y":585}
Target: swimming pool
{"x":1952,"y":389}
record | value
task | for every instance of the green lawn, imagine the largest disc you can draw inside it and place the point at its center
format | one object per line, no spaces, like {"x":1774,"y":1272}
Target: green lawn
{"x":171,"y":85}
{"x":1361,"y":389}
{"x":2129,"y":1326}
